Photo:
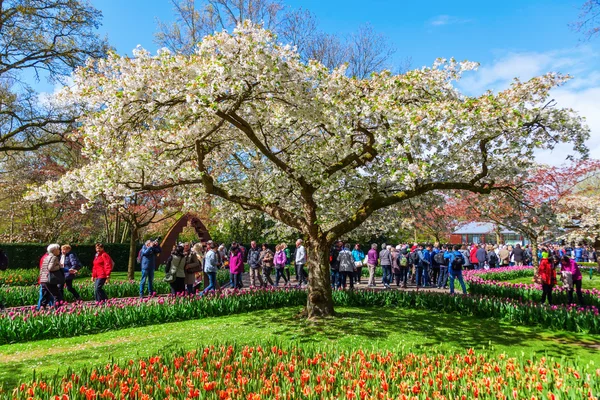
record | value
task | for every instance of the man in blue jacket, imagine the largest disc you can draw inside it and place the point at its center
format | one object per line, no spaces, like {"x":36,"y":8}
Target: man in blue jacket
{"x":455,"y":264}
{"x":148,"y":262}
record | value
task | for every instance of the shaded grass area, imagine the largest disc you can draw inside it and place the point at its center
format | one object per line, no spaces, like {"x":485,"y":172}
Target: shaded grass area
{"x":586,"y":283}
{"x":353,"y":328}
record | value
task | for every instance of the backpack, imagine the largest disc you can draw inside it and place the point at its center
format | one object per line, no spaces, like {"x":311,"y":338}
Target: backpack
{"x":458,"y":262}
{"x":3,"y":261}
{"x":493,"y":258}
{"x":402,"y":260}
{"x":439,"y":258}
{"x":414,"y":257}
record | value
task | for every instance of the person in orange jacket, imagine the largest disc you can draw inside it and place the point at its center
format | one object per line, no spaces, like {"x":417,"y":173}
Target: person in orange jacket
{"x":547,"y":272}
{"x":101,"y":270}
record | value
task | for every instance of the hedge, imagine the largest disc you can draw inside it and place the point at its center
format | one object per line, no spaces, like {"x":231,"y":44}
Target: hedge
{"x":27,"y":255}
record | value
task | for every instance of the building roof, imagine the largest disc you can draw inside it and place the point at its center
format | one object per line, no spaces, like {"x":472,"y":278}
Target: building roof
{"x":479,"y":228}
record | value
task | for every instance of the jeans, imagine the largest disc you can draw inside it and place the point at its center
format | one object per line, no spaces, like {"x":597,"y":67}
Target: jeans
{"x":280,"y":273}
{"x":358,"y":274}
{"x":443,"y":278}
{"x":301,"y":274}
{"x":401,"y":276}
{"x":419,"y":276}
{"x":49,"y":295}
{"x":457,"y":274}
{"x":387,"y":274}
{"x":335,"y":279}
{"x":547,"y":292}
{"x":69,"y":285}
{"x":577,"y":287}
{"x":255,"y":273}
{"x":481,"y":265}
{"x":237,"y":281}
{"x":212,"y":280}
{"x":266,"y":273}
{"x":347,"y":275}
{"x":147,"y":274}
{"x":371,"y":274}
{"x":189,"y":288}
{"x":99,"y":292}
{"x":435,"y":272}
{"x":178,"y":285}
{"x":425,"y":275}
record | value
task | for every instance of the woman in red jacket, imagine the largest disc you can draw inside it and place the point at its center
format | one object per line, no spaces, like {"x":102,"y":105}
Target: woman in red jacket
{"x":101,"y":272}
{"x":547,"y":271}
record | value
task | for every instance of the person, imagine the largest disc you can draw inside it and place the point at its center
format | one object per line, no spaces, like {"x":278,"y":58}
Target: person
{"x":148,"y":262}
{"x":401,"y":268}
{"x":527,"y":256}
{"x":504,"y":256}
{"x":300,"y":262}
{"x":359,"y":257}
{"x":288,"y":262}
{"x":547,"y":272}
{"x":492,"y":257}
{"x":101,"y":269}
{"x":192,"y":267}
{"x":266,"y":261}
{"x":473,"y":256}
{"x":334,"y":265}
{"x":346,"y":265}
{"x":236,"y":266}
{"x":211,"y":260}
{"x":70,"y":264}
{"x":254,"y":262}
{"x":372,"y":259}
{"x":426,"y":263}
{"x":280,"y":261}
{"x":569,"y":265}
{"x":176,"y":270}
{"x":578,"y":253}
{"x":51,"y":266}
{"x":435,"y":265}
{"x":481,"y":256}
{"x":519,"y":255}
{"x":455,"y":265}
{"x":386,"y":260}
{"x":443,"y":278}
{"x":199,"y":249}
{"x":467,"y":255}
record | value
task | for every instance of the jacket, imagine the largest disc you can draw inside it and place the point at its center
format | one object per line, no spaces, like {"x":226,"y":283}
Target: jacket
{"x":547,"y":272}
{"x":267,"y":258}
{"x":50,"y":263}
{"x":473,"y":255}
{"x":300,"y":258}
{"x":451,"y":255}
{"x":236,"y":263}
{"x":504,"y":256}
{"x":466,"y":256}
{"x":372,"y":257}
{"x":481,"y":255}
{"x":102,"y":266}
{"x":254,"y":258}
{"x":573,"y":268}
{"x":358,"y":255}
{"x":280,"y":259}
{"x":176,"y":266}
{"x":149,"y":256}
{"x":191,"y":261}
{"x":385,"y":256}
{"x":71,"y":262}
{"x":518,"y":253}
{"x":210,"y":261}
{"x":426,"y":260}
{"x":345,"y":261}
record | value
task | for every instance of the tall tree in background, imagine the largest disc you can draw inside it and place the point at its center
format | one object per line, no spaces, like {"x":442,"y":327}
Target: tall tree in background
{"x":365,"y":51}
{"x":244,"y":119}
{"x":589,"y":19}
{"x":46,"y":39}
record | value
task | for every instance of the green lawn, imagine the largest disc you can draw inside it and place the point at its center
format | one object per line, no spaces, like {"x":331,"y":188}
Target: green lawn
{"x":587,"y":283}
{"x":353,"y":328}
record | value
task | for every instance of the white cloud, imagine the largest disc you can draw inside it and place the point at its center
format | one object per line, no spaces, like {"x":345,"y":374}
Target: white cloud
{"x":582,"y":93}
{"x":447,"y":20}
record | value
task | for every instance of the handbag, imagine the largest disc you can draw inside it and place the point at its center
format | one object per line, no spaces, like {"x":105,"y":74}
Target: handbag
{"x":358,"y":264}
{"x":56,"y":277}
{"x":169,"y":276}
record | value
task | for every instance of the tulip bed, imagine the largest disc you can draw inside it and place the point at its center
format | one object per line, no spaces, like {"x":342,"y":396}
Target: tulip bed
{"x":28,"y":277}
{"x":490,"y":283}
{"x":68,"y":320}
{"x":286,"y":372}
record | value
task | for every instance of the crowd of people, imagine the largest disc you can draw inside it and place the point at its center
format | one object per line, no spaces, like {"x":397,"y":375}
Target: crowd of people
{"x":404,"y":265}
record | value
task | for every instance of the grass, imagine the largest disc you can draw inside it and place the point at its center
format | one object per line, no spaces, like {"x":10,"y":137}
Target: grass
{"x":586,"y":283}
{"x":353,"y":328}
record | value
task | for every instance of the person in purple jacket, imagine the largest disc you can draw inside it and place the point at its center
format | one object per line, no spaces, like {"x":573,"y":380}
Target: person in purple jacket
{"x":372,"y":260}
{"x":568,"y":265}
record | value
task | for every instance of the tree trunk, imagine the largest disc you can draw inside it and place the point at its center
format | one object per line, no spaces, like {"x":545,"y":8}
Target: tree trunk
{"x":534,"y":253}
{"x":132,"y":254}
{"x":320,"y":299}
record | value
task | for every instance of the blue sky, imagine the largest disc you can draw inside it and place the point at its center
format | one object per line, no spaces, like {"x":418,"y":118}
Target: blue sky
{"x":509,"y":38}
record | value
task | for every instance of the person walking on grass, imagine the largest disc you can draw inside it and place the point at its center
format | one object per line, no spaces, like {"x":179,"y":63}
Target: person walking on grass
{"x":372,"y":260}
{"x":254,"y":262}
{"x":101,"y":269}
{"x":346,"y":265}
{"x":456,"y":262}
